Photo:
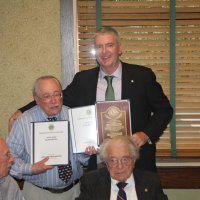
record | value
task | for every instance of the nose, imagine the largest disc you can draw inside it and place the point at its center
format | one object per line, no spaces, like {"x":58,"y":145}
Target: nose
{"x":53,"y":99}
{"x":12,"y":158}
{"x":119,"y":164}
{"x":104,"y":50}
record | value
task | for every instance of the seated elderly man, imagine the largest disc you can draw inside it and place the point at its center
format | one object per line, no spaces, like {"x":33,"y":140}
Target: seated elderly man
{"x":44,"y":181}
{"x":119,"y":180}
{"x":8,"y":186}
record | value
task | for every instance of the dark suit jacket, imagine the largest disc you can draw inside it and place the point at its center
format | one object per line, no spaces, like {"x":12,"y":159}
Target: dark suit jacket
{"x":96,"y":185}
{"x":146,"y":97}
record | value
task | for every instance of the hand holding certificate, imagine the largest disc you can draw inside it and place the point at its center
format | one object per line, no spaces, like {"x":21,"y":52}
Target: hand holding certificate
{"x":50,"y":139}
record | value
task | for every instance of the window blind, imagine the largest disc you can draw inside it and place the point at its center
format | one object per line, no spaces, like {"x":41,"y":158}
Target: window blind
{"x":188,"y":77}
{"x":144,"y":28}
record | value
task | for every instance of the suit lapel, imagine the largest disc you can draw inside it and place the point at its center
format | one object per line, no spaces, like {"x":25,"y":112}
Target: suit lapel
{"x":91,"y":85}
{"x":127,"y":80}
{"x":104,"y":185}
{"x":142,"y":189}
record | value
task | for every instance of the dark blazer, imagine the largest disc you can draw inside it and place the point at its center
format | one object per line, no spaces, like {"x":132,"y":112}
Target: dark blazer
{"x":146,"y":96}
{"x":96,"y":185}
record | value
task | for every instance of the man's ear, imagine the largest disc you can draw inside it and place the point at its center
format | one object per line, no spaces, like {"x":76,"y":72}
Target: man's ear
{"x":120,"y":49}
{"x":36,"y":99}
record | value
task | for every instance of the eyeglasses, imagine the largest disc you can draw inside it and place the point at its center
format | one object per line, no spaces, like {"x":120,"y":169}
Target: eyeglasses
{"x":47,"y":97}
{"x":113,"y":162}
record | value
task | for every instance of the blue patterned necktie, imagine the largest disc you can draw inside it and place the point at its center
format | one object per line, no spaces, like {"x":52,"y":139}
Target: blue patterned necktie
{"x":109,"y":95}
{"x":121,"y":193}
{"x":64,"y":171}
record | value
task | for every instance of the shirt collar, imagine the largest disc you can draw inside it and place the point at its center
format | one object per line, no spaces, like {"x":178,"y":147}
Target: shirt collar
{"x":130,"y":181}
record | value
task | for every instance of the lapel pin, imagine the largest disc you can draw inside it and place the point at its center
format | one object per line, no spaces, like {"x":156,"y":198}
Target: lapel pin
{"x":145,"y":189}
{"x":132,"y":81}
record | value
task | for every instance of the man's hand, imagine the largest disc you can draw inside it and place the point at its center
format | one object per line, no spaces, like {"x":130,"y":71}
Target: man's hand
{"x":12,"y":118}
{"x":40,"y":166}
{"x":90,"y":150}
{"x":139,"y":138}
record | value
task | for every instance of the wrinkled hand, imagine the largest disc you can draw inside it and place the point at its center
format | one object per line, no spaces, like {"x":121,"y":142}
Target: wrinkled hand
{"x":139,"y":138}
{"x":12,"y":118}
{"x":41,"y":167}
{"x":90,"y":150}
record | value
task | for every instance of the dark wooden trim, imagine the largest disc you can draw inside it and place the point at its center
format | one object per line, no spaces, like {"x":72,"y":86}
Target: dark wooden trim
{"x":180,"y":177}
{"x":179,"y":172}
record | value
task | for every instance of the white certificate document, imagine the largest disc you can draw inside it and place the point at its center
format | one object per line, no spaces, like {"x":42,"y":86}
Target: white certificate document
{"x":83,"y":127}
{"x":50,"y":139}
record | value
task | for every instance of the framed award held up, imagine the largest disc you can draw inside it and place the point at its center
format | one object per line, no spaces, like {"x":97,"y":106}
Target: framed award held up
{"x":113,"y":118}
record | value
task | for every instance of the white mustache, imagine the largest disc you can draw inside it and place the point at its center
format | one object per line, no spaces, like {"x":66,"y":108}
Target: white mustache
{"x":54,"y":106}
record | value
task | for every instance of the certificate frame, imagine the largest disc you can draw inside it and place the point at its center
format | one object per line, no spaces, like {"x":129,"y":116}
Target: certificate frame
{"x":50,"y":139}
{"x":83,"y":127}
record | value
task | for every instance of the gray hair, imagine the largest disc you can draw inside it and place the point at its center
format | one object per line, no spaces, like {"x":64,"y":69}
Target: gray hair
{"x":118,"y":141}
{"x":36,"y":83}
{"x":105,"y":30}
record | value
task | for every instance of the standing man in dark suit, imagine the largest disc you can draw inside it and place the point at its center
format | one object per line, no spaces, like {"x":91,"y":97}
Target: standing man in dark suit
{"x":119,"y":154}
{"x":150,"y":109}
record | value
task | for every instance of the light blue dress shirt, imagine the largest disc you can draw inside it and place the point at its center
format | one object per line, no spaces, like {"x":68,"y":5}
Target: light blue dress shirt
{"x":19,"y":142}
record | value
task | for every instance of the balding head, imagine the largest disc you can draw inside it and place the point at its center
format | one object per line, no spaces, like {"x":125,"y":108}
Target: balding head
{"x":47,"y":93}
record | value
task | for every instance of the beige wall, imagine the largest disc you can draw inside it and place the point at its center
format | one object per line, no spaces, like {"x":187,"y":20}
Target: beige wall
{"x":30,"y":47}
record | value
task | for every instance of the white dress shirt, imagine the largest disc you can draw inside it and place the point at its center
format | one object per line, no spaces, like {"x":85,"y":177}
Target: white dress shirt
{"x":129,"y":189}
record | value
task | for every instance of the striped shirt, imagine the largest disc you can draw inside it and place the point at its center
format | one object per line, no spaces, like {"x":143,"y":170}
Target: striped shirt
{"x":19,"y":142}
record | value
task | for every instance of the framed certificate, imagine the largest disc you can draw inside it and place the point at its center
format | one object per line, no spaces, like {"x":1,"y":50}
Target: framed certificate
{"x":83,"y":127}
{"x":50,"y":139}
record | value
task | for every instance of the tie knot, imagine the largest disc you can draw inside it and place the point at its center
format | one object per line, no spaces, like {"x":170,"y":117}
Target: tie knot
{"x":109,"y":79}
{"x":52,"y":119}
{"x":121,"y":185}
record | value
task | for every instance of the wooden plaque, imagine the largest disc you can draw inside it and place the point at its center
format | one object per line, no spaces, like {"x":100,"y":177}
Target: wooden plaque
{"x":113,"y":118}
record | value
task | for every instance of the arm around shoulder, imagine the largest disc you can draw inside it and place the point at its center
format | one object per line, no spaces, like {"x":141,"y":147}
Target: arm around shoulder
{"x":15,"y":115}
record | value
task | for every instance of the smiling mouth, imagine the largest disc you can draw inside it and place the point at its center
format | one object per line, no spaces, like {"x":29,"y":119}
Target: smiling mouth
{"x":105,"y":57}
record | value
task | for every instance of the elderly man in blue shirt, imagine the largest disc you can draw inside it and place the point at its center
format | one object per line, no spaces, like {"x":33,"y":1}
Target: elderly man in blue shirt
{"x":42,"y":181}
